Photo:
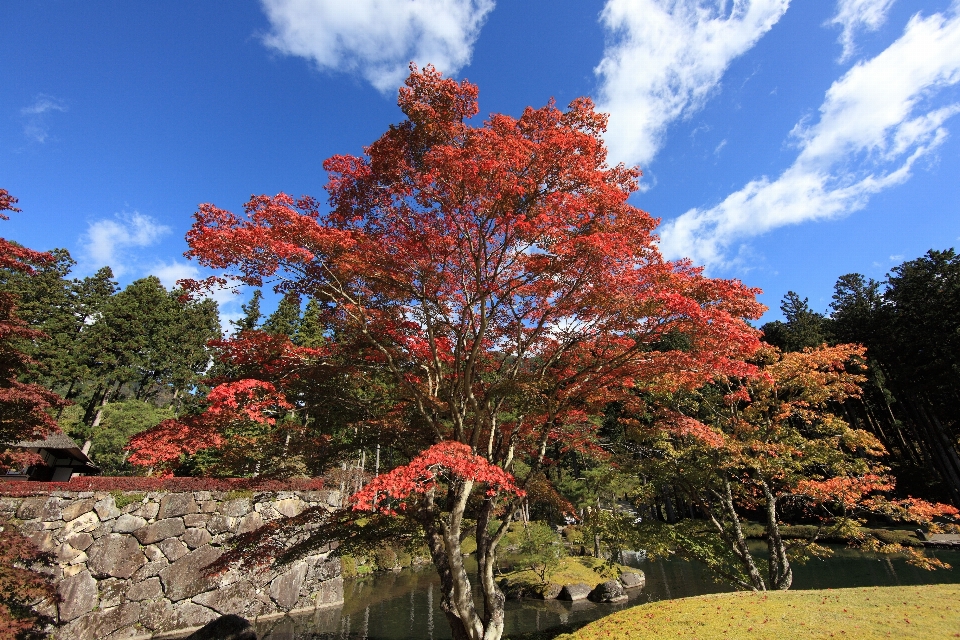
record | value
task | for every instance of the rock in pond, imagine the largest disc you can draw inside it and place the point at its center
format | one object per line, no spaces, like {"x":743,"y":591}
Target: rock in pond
{"x":609,"y":591}
{"x":574,"y":592}
{"x":548,"y":591}
{"x":229,"y":627}
{"x":633,"y":579}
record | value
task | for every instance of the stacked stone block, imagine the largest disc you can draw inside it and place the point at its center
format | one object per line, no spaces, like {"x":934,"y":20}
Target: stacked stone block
{"x":138,"y":570}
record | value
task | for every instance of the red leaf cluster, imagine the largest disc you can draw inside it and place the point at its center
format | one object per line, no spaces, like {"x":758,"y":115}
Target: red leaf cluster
{"x":446,"y":460}
{"x":165,"y":443}
{"x":20,"y":587}
{"x":254,"y":399}
{"x":492,"y":271}
{"x":847,"y":491}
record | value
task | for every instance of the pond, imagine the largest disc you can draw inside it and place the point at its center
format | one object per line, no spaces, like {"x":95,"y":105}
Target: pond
{"x":406,"y":604}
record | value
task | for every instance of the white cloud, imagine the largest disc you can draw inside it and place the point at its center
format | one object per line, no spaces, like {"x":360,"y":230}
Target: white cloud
{"x":228,"y":302}
{"x":854,"y":15}
{"x":173,"y":272}
{"x":875,"y":123}
{"x":35,"y":125}
{"x":377,"y":38}
{"x":169,"y":274}
{"x":665,"y":59}
{"x":109,"y":241}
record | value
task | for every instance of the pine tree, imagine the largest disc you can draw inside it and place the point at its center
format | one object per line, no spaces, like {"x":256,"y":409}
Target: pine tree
{"x":251,"y":314}
{"x":285,"y":319}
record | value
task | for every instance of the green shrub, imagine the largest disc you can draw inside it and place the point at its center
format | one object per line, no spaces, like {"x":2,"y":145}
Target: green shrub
{"x":896,"y":536}
{"x":348,"y":567}
{"x":385,"y":557}
{"x":573,"y":534}
{"x":121,"y":499}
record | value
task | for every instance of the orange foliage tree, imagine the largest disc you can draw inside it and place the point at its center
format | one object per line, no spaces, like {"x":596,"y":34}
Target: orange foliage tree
{"x":771,"y":442}
{"x":497,"y":275}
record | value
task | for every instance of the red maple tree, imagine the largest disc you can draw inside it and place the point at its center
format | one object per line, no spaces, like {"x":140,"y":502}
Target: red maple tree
{"x":498,"y":274}
{"x":23,"y":407}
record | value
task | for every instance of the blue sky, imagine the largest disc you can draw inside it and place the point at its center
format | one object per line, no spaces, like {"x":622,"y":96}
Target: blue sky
{"x":782,"y":143}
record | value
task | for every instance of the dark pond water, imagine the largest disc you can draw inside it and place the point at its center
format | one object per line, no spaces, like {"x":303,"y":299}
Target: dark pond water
{"x":406,"y":604}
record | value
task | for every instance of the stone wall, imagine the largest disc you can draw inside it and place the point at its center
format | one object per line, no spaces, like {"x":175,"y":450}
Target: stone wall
{"x":131,"y":564}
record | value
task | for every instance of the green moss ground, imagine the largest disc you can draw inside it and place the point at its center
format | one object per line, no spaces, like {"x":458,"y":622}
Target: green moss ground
{"x":917,"y":612}
{"x":572,"y":570}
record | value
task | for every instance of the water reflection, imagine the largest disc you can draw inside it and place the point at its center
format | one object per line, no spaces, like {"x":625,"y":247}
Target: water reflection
{"x":405,"y":604}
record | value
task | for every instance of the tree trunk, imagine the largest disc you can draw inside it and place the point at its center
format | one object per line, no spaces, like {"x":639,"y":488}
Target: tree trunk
{"x":443,"y":539}
{"x":780,"y":572}
{"x":740,"y":541}
{"x":98,"y":416}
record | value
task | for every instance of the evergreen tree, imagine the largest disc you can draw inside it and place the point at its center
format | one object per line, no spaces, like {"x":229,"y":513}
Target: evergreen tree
{"x":804,"y":328}
{"x":310,"y":329}
{"x":285,"y":319}
{"x":251,"y":314}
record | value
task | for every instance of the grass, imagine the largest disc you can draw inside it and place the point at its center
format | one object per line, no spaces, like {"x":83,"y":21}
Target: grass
{"x":928,"y":611}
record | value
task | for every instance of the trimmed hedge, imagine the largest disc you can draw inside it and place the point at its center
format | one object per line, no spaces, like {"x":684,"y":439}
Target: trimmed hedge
{"x":22,"y":488}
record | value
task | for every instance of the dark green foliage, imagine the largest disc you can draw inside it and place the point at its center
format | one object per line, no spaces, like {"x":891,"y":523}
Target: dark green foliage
{"x":285,"y":319}
{"x":119,"y":422}
{"x":804,"y":328}
{"x":310,"y":328}
{"x":22,"y":586}
{"x":128,"y":359}
{"x":251,"y":314}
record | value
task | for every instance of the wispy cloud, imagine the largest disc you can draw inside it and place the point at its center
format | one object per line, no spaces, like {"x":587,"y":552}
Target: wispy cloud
{"x":170,"y":273}
{"x":377,"y":38}
{"x":110,"y":241}
{"x":664,"y":60}
{"x":855,"y":15}
{"x":228,"y":302}
{"x":876,"y":121}
{"x":35,"y":123}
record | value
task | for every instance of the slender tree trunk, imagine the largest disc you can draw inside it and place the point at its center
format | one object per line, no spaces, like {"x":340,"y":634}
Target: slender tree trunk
{"x":493,"y":598}
{"x":98,"y":416}
{"x":780,"y":572}
{"x":941,"y":451}
{"x":949,"y":445}
{"x":668,"y":503}
{"x":91,"y":407}
{"x":741,"y":550}
{"x":67,"y":395}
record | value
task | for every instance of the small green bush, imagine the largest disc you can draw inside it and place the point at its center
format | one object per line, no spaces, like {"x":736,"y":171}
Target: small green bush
{"x":573,"y":534}
{"x":386,"y":558}
{"x":121,"y":499}
{"x":469,"y":545}
{"x":348,"y":567}
{"x":896,"y":536}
